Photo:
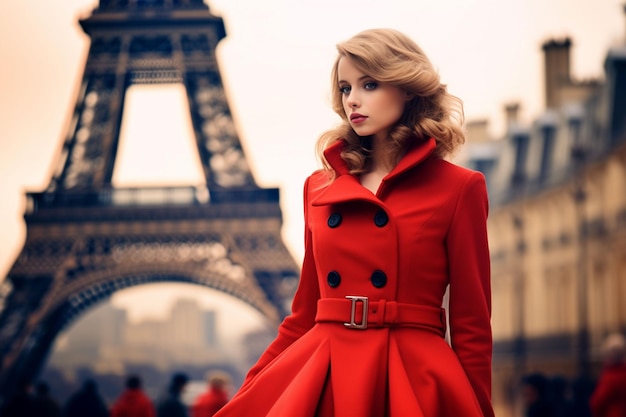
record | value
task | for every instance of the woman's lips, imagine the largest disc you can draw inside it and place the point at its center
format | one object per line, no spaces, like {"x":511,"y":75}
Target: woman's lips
{"x":357,"y":118}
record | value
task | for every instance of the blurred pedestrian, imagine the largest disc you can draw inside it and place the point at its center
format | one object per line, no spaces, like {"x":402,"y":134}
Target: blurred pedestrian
{"x":171,"y":404}
{"x":45,"y":405}
{"x":21,"y":403}
{"x":216,"y":396}
{"x":86,"y":402}
{"x":133,"y":402}
{"x":535,"y":396}
{"x":560,"y":397}
{"x":582,"y":388}
{"x":609,"y":397}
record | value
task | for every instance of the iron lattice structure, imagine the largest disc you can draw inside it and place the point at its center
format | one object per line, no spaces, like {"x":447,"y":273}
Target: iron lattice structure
{"x":87,"y":239}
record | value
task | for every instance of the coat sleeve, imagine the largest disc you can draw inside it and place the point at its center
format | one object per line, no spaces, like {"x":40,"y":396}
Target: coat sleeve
{"x":470,"y":288}
{"x":304,"y":305}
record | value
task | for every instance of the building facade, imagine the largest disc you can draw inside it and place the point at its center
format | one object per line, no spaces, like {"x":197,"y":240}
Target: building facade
{"x":557,"y":225}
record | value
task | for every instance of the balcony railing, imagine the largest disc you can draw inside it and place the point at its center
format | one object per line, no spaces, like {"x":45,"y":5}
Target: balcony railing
{"x":149,"y":196}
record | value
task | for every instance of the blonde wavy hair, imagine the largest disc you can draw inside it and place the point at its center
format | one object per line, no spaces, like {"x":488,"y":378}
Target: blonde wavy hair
{"x":389,"y":56}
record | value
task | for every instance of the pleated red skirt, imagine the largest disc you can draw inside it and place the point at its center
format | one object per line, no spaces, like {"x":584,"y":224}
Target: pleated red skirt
{"x":332,"y":371}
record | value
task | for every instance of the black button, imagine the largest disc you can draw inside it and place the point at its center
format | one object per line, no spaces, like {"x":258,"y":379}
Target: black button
{"x":379,"y":279}
{"x":333,"y":278}
{"x":334,"y":220}
{"x":381,"y":218}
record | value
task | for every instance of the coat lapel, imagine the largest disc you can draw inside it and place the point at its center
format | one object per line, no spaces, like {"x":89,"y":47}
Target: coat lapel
{"x":414,"y":156}
{"x":346,"y":187}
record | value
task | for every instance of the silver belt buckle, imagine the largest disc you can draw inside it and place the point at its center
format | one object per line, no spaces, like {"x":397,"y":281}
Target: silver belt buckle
{"x":354,"y":300}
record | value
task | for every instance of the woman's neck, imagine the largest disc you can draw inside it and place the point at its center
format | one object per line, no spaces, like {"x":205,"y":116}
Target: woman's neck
{"x":382,"y":158}
{"x":381,"y":164}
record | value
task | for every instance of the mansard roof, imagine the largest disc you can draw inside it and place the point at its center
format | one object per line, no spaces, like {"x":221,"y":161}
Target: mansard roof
{"x":548,"y":152}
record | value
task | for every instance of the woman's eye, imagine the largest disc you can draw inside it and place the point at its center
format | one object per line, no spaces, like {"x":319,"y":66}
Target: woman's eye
{"x":370,"y":85}
{"x":344,"y":89}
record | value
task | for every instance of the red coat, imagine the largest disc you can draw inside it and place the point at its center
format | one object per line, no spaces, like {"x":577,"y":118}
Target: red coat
{"x":132,"y":403}
{"x":609,"y":396}
{"x":424,"y":229}
{"x":209,"y":403}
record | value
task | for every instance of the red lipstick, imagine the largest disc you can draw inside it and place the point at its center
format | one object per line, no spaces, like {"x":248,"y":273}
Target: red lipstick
{"x":357,"y":118}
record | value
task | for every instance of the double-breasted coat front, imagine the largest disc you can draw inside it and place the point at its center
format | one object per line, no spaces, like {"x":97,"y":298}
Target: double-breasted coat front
{"x":366,"y":333}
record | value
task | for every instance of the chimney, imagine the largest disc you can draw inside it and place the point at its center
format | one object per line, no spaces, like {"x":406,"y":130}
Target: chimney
{"x":557,"y":69}
{"x":512,"y":115}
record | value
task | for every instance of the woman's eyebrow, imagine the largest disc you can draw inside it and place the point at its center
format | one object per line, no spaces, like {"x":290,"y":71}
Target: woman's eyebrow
{"x":361,"y":78}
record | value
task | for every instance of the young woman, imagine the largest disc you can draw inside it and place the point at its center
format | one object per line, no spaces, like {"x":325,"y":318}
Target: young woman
{"x":389,"y":225}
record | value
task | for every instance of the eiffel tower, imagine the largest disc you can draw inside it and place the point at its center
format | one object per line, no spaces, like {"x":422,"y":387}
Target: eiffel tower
{"x":87,"y":239}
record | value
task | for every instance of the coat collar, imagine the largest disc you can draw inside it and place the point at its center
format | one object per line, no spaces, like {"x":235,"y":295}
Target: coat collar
{"x":347,"y":187}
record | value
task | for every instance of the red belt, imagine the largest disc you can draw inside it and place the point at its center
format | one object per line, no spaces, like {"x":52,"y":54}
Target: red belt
{"x":380,"y":313}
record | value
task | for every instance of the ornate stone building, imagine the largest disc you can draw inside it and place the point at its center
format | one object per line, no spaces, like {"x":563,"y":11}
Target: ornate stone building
{"x":557,"y":225}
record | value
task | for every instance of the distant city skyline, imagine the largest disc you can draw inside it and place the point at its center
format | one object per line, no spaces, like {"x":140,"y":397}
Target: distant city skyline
{"x":106,"y":346}
{"x":187,"y":333}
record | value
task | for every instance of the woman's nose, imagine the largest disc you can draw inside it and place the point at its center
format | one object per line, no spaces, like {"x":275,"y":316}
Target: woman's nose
{"x":352,"y":100}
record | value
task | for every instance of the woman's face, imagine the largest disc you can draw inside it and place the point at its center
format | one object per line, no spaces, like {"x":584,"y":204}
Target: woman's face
{"x":371,"y":107}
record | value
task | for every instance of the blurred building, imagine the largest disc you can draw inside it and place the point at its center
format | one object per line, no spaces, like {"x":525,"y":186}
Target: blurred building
{"x":557,"y":224}
{"x":107,"y":342}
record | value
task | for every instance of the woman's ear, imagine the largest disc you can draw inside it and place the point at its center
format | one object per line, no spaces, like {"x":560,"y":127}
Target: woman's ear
{"x":408,"y":96}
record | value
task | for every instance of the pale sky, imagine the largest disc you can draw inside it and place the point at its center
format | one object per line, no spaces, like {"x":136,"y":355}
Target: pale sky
{"x":275,"y":62}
